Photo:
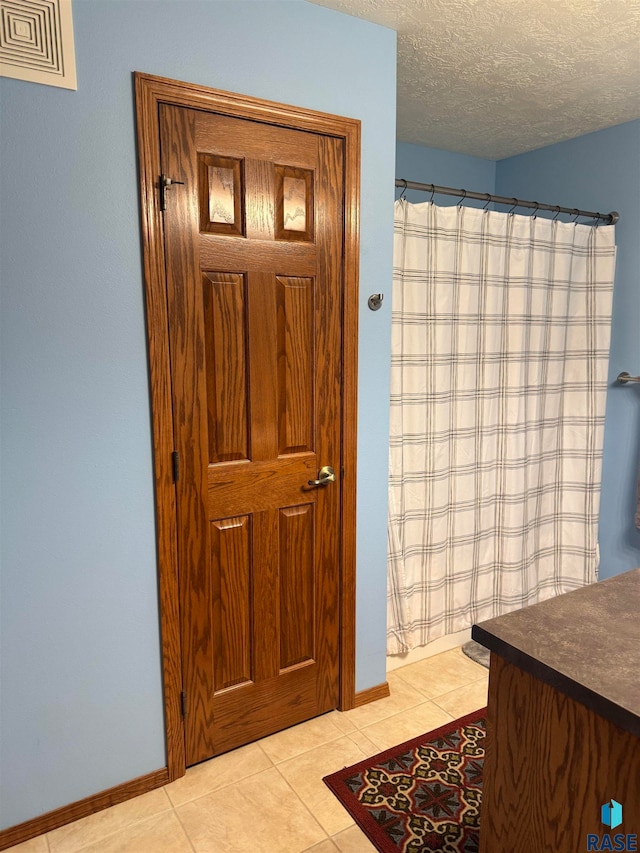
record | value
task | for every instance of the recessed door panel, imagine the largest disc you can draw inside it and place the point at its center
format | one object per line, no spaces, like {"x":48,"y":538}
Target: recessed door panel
{"x":221,"y":194}
{"x":232,"y":611}
{"x":295,"y":364}
{"x":297,"y":585}
{"x":294,"y":203}
{"x":225,"y":332}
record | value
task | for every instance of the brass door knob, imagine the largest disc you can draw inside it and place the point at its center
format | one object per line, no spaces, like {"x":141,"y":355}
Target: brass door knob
{"x":326,"y":475}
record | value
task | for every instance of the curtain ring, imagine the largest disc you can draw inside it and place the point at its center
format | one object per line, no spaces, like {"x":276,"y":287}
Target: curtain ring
{"x":515,"y":204}
{"x":464,"y":195}
{"x":488,"y":201}
{"x":557,"y":210}
{"x":534,"y":215}
{"x":402,"y":197}
{"x":576,"y":214}
{"x":433,"y":192}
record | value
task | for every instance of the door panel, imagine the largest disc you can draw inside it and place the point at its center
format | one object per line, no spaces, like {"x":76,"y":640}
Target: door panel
{"x":253,"y":242}
{"x":225,"y":322}
{"x":231,"y":575}
{"x":221,"y":190}
{"x":296,"y":580}
{"x":295,"y":351}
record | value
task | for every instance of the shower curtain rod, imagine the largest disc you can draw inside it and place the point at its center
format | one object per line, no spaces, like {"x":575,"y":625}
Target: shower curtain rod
{"x":609,"y":218}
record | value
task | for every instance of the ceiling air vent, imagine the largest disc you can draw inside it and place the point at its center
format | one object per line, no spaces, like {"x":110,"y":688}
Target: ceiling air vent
{"x":36,"y":42}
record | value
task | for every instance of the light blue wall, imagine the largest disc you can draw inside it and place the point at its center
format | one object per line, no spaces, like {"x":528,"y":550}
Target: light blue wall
{"x":81,"y":690}
{"x":433,"y":166}
{"x":601,"y":171}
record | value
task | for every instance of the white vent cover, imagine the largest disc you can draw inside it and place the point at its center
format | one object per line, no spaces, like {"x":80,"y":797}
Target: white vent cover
{"x":36,"y":42}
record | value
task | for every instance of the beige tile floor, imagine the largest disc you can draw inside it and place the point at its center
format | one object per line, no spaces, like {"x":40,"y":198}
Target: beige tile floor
{"x":268,"y":797}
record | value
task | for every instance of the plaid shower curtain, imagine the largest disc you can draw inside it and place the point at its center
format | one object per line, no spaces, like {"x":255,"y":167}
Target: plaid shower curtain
{"x":500,"y":344}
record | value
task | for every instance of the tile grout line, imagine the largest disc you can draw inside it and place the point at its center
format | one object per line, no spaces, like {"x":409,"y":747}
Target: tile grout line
{"x":304,"y":751}
{"x":446,"y":693}
{"x":263,"y":751}
{"x":453,"y":719}
{"x":355,"y":743}
{"x":409,"y":707}
{"x":126,"y":828}
{"x":115,"y":832}
{"x":220,"y":787}
{"x":315,"y":846}
{"x":306,"y":807}
{"x":184,"y":829}
{"x":393,"y":716}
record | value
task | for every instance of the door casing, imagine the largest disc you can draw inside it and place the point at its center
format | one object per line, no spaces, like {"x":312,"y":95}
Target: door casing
{"x":150,"y":92}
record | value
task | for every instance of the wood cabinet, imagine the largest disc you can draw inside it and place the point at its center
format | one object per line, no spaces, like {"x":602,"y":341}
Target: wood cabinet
{"x":563,"y":720}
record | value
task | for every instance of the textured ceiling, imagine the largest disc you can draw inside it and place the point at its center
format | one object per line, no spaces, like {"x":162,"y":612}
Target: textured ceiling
{"x":499,"y":77}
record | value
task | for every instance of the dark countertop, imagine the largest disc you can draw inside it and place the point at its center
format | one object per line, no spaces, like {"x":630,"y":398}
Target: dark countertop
{"x":585,"y":643}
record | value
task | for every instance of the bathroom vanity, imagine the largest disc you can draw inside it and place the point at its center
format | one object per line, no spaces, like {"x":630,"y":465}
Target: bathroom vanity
{"x":563,"y":721}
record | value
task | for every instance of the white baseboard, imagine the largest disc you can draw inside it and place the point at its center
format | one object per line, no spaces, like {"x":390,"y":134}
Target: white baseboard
{"x":442,"y":644}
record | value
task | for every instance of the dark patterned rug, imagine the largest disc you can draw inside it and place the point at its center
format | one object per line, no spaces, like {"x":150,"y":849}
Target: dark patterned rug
{"x":422,"y":796}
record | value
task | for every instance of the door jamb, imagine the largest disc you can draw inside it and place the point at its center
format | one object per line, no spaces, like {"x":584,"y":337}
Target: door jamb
{"x":150,"y":92}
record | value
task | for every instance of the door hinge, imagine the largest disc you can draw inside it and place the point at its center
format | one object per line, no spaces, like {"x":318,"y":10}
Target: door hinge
{"x":183,"y":703}
{"x":165,"y":184}
{"x":175,"y":465}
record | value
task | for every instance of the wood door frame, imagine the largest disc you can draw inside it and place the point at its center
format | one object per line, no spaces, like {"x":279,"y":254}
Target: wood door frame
{"x":150,"y":92}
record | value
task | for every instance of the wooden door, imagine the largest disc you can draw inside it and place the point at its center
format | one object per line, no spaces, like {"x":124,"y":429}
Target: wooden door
{"x":254,"y":266}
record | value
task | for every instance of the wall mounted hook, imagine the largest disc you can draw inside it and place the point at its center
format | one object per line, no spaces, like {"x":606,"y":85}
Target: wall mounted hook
{"x":375,"y":301}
